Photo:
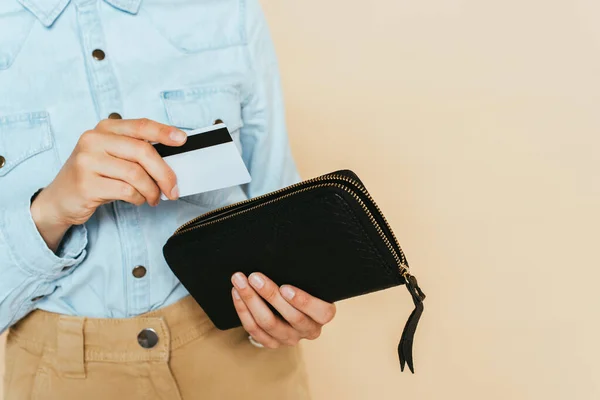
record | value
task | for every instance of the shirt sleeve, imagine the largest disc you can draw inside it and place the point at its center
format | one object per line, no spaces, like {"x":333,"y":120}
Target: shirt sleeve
{"x":266,"y":149}
{"x":29,"y":269}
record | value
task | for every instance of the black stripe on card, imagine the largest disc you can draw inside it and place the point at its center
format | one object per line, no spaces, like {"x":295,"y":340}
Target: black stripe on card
{"x":195,"y":142}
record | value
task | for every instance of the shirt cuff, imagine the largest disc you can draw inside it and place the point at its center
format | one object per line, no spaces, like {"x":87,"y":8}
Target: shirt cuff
{"x":29,"y":249}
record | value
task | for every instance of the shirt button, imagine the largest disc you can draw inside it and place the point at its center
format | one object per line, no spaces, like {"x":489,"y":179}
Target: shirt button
{"x":139,"y":271}
{"x":98,"y":54}
{"x":37,"y":298}
{"x":218,"y":121}
{"x":147,"y":338}
{"x":115,"y":116}
{"x":2,"y":161}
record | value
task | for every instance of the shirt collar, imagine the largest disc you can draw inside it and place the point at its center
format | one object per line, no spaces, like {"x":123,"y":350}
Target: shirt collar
{"x":48,"y":10}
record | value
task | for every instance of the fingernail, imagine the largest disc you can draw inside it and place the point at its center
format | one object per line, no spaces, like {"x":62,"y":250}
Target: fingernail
{"x":236,"y":294}
{"x":257,"y":281}
{"x":288,"y":292}
{"x":239,"y":280}
{"x":178,"y":136}
{"x":175,"y":192}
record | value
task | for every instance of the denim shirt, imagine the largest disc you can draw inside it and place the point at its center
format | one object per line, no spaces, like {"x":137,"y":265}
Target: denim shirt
{"x":181,"y":62}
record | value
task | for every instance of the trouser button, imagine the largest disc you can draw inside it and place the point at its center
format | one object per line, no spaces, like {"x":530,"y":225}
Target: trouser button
{"x":147,"y":338}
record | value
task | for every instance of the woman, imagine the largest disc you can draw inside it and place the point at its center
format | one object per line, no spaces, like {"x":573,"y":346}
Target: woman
{"x":92,"y":307}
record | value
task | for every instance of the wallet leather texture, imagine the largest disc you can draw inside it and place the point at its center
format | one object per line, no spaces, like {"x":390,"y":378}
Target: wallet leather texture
{"x":326,"y":236}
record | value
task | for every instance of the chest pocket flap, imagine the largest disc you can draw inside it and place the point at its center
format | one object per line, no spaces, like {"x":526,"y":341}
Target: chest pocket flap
{"x":200,"y":107}
{"x":21,"y":137}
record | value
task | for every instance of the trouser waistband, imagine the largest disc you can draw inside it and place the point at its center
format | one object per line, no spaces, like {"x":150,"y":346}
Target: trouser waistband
{"x":148,"y":337}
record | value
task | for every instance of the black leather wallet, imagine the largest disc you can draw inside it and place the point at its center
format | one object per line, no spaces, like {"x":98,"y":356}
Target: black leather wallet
{"x":325,"y":235}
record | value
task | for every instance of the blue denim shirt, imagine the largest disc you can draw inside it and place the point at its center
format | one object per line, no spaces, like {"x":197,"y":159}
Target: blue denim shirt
{"x":186,"y":63}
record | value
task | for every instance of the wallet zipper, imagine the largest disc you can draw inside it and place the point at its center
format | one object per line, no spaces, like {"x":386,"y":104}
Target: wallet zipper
{"x":400,"y":258}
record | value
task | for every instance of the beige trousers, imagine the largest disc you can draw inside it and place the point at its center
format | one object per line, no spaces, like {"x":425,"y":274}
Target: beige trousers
{"x":49,"y":356}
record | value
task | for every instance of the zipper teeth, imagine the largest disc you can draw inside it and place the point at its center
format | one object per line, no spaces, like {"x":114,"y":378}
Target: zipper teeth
{"x":400,"y":259}
{"x":224,"y":208}
{"x":364,"y":191}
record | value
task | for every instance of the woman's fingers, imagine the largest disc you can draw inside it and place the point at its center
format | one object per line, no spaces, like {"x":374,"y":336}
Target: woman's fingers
{"x":320,"y":311}
{"x":269,"y":291}
{"x":262,"y":315}
{"x":144,"y":129}
{"x":147,"y":157}
{"x":106,"y":190}
{"x":131,"y":173}
{"x":249,"y":324}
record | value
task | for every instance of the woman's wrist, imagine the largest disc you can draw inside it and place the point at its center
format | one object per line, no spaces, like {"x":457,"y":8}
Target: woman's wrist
{"x":50,"y":226}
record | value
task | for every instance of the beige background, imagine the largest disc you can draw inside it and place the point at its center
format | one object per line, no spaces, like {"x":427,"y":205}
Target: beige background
{"x":475,"y":126}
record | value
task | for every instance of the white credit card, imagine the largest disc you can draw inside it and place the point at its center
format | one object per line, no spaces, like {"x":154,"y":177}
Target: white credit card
{"x":209,"y":160}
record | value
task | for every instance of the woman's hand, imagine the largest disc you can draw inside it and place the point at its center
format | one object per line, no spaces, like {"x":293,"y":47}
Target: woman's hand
{"x":303,"y":315}
{"x":114,"y":161}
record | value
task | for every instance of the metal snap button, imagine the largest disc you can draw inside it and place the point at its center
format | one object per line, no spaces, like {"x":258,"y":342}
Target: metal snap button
{"x":147,"y":338}
{"x":218,"y":121}
{"x":98,"y":54}
{"x":2,"y":161}
{"x":114,"y":116}
{"x":139,"y":271}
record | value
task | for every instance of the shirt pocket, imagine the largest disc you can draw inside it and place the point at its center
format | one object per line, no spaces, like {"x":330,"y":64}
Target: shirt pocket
{"x":193,"y":26}
{"x":15,"y":24}
{"x":199,"y":107}
{"x":28,"y":159}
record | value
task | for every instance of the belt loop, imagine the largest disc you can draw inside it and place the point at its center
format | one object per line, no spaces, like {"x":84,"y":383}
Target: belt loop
{"x":70,"y":347}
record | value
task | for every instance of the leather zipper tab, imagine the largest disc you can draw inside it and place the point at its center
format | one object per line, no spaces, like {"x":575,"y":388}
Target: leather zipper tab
{"x":406,"y":342}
